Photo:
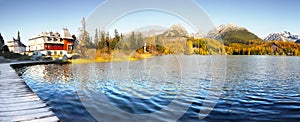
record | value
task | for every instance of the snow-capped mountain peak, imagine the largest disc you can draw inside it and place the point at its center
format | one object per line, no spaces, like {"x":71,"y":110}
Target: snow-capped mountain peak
{"x":228,"y":27}
{"x":176,"y":30}
{"x":223,"y":29}
{"x":179,"y":28}
{"x":283,"y":36}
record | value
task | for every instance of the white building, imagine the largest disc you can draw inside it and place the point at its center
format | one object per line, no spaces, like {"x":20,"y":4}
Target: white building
{"x":52,"y":44}
{"x":16,"y":45}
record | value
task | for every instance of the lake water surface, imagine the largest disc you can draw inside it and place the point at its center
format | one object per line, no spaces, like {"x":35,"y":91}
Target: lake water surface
{"x":172,"y":88}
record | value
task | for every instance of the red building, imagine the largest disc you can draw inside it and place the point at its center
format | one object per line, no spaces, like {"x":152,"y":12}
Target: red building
{"x":56,"y":45}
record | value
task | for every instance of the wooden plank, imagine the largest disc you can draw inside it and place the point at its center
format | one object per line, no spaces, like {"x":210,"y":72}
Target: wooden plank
{"x":19,"y":107}
{"x":13,"y":91}
{"x":18,"y":102}
{"x":17,"y":95}
{"x":28,"y":117}
{"x":48,"y":119}
{"x":33,"y":97}
{"x":23,"y":112}
{"x":6,"y":101}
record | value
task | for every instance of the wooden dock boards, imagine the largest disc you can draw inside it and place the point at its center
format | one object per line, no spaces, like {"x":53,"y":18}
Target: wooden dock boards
{"x":18,"y":102}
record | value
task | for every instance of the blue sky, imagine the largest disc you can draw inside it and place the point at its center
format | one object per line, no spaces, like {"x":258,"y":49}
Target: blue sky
{"x":259,"y":16}
{"x":31,"y":17}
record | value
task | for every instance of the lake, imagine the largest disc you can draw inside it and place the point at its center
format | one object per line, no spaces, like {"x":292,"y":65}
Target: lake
{"x":171,"y":88}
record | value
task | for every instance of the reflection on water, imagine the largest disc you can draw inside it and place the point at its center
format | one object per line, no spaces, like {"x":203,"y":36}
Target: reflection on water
{"x":256,"y":88}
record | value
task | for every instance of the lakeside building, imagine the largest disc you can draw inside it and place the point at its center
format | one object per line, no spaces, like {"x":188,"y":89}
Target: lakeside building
{"x":16,"y":45}
{"x":56,"y":45}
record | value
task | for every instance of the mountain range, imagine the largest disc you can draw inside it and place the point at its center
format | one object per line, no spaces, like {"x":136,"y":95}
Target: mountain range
{"x":176,"y":30}
{"x":150,"y":30}
{"x":232,"y":33}
{"x":227,"y":33}
{"x":284,"y":36}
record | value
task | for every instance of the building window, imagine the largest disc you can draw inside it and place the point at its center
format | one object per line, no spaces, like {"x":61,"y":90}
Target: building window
{"x":55,"y":53}
{"x":49,"y":52}
{"x":61,"y":52}
{"x":70,"y":47}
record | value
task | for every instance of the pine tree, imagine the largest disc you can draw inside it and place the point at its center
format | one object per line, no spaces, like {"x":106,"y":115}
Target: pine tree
{"x":116,"y":39}
{"x":19,"y":38}
{"x":107,"y":40}
{"x":84,"y":40}
{"x":84,"y":36}
{"x":132,"y":41}
{"x":1,"y":40}
{"x":96,"y":39}
{"x":140,"y":41}
{"x":102,"y":41}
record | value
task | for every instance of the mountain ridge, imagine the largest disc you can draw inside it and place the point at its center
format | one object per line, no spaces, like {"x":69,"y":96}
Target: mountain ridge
{"x":283,"y":36}
{"x":226,"y":33}
{"x":231,"y":33}
{"x":176,"y":30}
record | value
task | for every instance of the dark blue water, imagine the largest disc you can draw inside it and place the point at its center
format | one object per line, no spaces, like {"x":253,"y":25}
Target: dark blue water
{"x":245,"y":88}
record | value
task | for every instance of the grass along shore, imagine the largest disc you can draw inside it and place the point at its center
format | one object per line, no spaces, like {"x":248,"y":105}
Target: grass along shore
{"x":112,"y":58}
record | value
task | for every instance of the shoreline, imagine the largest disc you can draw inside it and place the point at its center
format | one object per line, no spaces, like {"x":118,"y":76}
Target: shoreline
{"x":111,"y":59}
{"x":15,"y":64}
{"x":31,"y":63}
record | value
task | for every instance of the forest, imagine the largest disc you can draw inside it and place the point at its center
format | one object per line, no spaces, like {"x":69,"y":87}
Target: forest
{"x":105,"y":45}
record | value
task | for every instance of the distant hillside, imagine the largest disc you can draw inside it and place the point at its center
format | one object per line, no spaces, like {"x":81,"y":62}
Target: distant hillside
{"x":175,"y":30}
{"x":284,"y":37}
{"x":231,"y":33}
{"x":151,"y":30}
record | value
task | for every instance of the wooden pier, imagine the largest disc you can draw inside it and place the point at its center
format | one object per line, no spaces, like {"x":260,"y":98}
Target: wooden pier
{"x":18,"y":102}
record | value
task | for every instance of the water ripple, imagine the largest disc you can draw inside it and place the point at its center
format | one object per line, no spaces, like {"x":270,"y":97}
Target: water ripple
{"x":257,"y":88}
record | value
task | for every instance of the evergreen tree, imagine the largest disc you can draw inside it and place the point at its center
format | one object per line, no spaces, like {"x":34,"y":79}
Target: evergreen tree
{"x":117,"y":34}
{"x":1,"y":40}
{"x":102,"y":42}
{"x":96,"y":39}
{"x":84,"y":36}
{"x":133,"y":43}
{"x":159,"y":42}
{"x":107,"y":43}
{"x":84,"y":40}
{"x":140,"y":41}
{"x":5,"y":48}
{"x":116,"y":39}
{"x":19,"y":38}
{"x":107,"y":40}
